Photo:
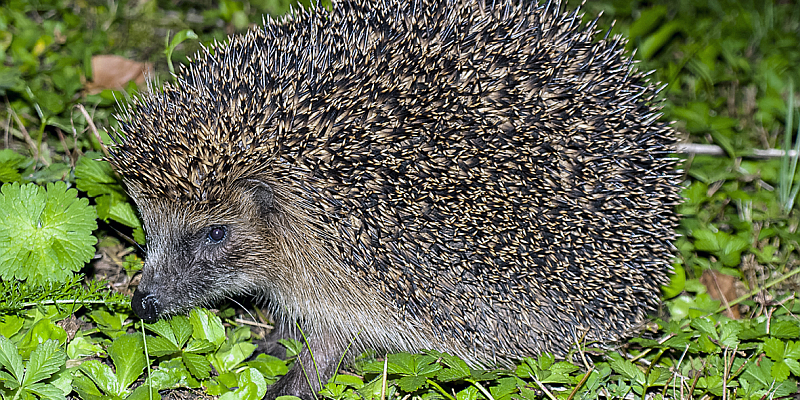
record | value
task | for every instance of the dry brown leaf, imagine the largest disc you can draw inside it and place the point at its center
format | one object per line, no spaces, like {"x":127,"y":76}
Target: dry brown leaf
{"x":721,"y":287}
{"x":114,"y":72}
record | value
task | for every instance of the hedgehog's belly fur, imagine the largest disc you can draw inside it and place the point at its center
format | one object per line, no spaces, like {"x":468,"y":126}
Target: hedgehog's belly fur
{"x":492,"y":185}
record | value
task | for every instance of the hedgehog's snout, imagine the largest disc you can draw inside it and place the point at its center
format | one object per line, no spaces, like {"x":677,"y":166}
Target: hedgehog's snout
{"x":145,"y":305}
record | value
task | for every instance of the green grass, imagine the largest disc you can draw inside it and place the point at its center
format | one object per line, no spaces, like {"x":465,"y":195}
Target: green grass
{"x":729,"y":65}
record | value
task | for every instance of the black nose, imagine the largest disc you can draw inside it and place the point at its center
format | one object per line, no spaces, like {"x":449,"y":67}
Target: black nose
{"x":145,"y":305}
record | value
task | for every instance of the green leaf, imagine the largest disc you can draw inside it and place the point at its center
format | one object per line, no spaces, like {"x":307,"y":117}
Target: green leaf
{"x":41,"y":331}
{"x":200,"y":346}
{"x":792,"y":350}
{"x":348,"y":380}
{"x":164,"y":329}
{"x":774,"y":348}
{"x":176,"y":40}
{"x":293,"y":347}
{"x":677,"y":282}
{"x":118,"y":208}
{"x":784,"y":330}
{"x":47,"y":233}
{"x":411,"y":383}
{"x":127,"y":353}
{"x":729,"y":334}
{"x":102,"y":376}
{"x":10,"y":325}
{"x":87,"y":390}
{"x":545,"y":360}
{"x":171,"y":374}
{"x":270,"y":366}
{"x":470,"y":393}
{"x":504,"y":388}
{"x":10,"y":359}
{"x":198,"y":365}
{"x":658,"y":40}
{"x":206,"y":325}
{"x":628,"y":370}
{"x":412,"y":364}
{"x":252,"y":376}
{"x":158,"y":346}
{"x":45,"y":361}
{"x":82,"y":346}
{"x":46,"y":391}
{"x":96,"y":177}
{"x":10,"y":164}
{"x":144,"y":392}
{"x":182,"y":329}
{"x":706,"y":326}
{"x":230,"y":355}
{"x":780,"y":371}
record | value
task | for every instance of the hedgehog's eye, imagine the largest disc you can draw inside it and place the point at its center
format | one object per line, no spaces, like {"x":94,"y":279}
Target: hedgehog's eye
{"x":216,"y":234}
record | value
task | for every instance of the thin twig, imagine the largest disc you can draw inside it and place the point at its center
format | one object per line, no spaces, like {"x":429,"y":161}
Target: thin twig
{"x":252,"y":323}
{"x":714,"y":150}
{"x":24,"y":131}
{"x":93,"y":128}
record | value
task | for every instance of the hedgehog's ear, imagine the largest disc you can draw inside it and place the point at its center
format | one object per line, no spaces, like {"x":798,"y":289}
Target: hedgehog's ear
{"x":262,"y":195}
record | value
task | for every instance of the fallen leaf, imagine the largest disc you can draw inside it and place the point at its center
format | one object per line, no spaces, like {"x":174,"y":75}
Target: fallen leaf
{"x":721,"y":287}
{"x":114,"y":72}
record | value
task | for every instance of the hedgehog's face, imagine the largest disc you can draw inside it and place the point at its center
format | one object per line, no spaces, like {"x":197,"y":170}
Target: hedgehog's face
{"x":198,"y":254}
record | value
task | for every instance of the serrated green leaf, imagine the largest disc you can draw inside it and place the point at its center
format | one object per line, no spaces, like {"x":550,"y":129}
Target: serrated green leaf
{"x":46,"y":391}
{"x":628,"y":370}
{"x":792,"y":350}
{"x":46,"y":234}
{"x":198,"y":365}
{"x":411,"y":383}
{"x":457,"y":368}
{"x":182,"y":328}
{"x":10,"y":164}
{"x":164,"y":329}
{"x":780,"y":371}
{"x":793,"y":365}
{"x":706,"y":326}
{"x":95,"y":176}
{"x":102,"y":376}
{"x":774,"y":348}
{"x":200,"y":346}
{"x":10,"y":359}
{"x":118,"y":208}
{"x":784,"y":329}
{"x":206,"y":325}
{"x":45,"y":361}
{"x":545,"y":360}
{"x":170,"y":374}
{"x":158,"y":346}
{"x":729,"y":334}
{"x":504,"y":388}
{"x":127,"y":353}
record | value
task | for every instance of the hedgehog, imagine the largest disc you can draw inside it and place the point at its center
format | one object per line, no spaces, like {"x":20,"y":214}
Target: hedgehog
{"x":487,"y":180}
